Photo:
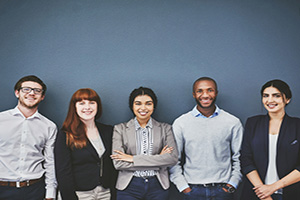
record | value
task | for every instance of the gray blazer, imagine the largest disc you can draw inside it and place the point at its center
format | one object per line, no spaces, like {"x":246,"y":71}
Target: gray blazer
{"x":124,"y":140}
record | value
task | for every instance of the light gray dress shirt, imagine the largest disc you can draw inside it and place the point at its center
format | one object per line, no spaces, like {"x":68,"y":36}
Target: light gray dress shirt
{"x":26,"y":148}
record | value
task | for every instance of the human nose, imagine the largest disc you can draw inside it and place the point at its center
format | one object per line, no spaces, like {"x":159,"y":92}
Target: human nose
{"x":205,"y":94}
{"x":87,"y":106}
{"x":31,"y":92}
{"x":143,"y":106}
{"x":270,"y":98}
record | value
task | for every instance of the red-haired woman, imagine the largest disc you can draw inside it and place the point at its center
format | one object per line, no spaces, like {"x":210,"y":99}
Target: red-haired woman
{"x":84,"y":169}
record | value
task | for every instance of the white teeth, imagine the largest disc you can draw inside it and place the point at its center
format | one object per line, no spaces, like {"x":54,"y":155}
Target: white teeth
{"x":271,"y":105}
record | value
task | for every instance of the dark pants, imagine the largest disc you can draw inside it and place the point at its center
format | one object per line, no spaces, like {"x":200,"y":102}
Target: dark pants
{"x":207,"y":193}
{"x":277,"y":196}
{"x":143,"y":189}
{"x":33,"y":192}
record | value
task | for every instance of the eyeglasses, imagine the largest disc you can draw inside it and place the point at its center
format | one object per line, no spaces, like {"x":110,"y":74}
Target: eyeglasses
{"x":29,"y":89}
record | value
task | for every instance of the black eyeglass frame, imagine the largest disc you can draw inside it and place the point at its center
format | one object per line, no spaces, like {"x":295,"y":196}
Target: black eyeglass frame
{"x":35,"y":90}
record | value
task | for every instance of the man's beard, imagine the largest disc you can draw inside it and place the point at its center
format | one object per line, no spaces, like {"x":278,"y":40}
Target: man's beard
{"x":29,"y":106}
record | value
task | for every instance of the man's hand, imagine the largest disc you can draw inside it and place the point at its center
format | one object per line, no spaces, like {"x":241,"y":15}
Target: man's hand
{"x":187,"y":190}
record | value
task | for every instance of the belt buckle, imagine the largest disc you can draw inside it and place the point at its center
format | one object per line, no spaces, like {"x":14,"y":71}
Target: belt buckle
{"x":209,"y":185}
{"x":18,"y":184}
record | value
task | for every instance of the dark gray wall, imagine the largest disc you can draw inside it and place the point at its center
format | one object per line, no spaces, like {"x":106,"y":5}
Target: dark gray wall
{"x":114,"y":46}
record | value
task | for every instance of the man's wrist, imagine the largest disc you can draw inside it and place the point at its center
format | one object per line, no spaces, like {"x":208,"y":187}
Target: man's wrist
{"x":229,"y":188}
{"x":187,"y":190}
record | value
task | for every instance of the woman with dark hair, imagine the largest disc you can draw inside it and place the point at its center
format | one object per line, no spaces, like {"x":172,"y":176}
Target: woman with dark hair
{"x":143,"y":149}
{"x":270,"y":155}
{"x":84,"y":169}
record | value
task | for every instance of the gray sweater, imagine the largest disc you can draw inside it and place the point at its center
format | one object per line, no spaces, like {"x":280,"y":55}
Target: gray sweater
{"x":212,"y":148}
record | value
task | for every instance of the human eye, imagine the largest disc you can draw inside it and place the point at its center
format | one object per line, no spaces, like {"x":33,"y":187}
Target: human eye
{"x":278,"y":95}
{"x":150,"y":103}
{"x":80,"y":103}
{"x":137,"y":103}
{"x":92,"y":102}
{"x":26,"y":89}
{"x":37,"y":90}
{"x":199,"y":91}
{"x":265,"y":95}
{"x":210,"y":90}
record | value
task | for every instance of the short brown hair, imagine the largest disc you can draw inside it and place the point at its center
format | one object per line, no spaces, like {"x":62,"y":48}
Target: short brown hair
{"x":32,"y":78}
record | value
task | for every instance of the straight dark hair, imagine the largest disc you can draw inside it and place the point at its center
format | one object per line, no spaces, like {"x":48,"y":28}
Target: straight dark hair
{"x":142,"y":91}
{"x":280,"y":85}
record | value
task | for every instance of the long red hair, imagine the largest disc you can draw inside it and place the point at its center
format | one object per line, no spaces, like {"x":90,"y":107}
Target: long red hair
{"x":74,"y":128}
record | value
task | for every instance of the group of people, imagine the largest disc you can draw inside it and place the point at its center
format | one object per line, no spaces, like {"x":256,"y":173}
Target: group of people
{"x":205,"y":153}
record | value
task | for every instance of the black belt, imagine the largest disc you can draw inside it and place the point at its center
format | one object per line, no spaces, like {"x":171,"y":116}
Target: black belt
{"x":208,"y":184}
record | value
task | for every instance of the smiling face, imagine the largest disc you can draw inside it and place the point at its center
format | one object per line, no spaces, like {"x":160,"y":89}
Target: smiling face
{"x":205,"y":94}
{"x":86,"y":110}
{"x":274,"y":101}
{"x":143,"y":108}
{"x":29,"y":100}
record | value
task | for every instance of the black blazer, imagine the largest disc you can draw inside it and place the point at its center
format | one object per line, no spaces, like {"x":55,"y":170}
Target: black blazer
{"x":255,"y":151}
{"x":82,"y":169}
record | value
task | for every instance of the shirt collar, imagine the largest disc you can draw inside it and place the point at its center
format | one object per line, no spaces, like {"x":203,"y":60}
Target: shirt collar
{"x":16,"y":111}
{"x":196,"y":113}
{"x":138,"y":126}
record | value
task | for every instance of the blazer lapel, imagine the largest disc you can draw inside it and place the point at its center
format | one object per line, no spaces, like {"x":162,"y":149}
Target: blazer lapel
{"x":266,"y":134}
{"x":282,"y":131}
{"x":156,"y":134}
{"x":92,"y":150}
{"x":130,"y":131}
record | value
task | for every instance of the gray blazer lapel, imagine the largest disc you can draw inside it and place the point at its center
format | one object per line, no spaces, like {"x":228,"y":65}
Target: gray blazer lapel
{"x":157,"y":134}
{"x":131,"y":134}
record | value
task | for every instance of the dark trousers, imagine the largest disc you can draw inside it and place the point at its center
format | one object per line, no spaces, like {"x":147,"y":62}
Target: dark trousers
{"x":33,"y":192}
{"x":277,"y":196}
{"x":207,"y":193}
{"x":143,"y":189}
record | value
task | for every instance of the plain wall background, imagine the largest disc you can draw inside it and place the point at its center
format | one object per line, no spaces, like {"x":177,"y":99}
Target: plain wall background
{"x":114,"y":46}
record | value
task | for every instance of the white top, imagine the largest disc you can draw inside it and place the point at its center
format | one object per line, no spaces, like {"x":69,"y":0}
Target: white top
{"x":26,"y":148}
{"x":272,"y":175}
{"x":97,"y":143}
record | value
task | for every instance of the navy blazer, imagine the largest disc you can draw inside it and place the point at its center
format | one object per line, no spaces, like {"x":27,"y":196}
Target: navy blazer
{"x":82,"y":169}
{"x":255,"y":152}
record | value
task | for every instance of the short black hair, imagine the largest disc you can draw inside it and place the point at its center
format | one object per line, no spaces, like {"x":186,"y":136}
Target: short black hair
{"x":32,"y":78}
{"x":142,"y":91}
{"x":280,"y":85}
{"x":205,"y":79}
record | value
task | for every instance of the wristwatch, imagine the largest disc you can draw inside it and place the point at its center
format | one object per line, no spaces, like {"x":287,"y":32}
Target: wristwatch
{"x":229,"y":188}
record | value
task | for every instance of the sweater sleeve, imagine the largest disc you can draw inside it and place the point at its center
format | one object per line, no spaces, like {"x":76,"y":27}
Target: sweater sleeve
{"x":236,"y":141}
{"x":176,"y":172}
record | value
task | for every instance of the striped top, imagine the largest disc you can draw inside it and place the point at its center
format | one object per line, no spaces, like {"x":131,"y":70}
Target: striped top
{"x":144,"y":145}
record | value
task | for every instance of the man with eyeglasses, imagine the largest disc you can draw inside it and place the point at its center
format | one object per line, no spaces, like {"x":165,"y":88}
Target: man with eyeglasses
{"x":26,"y":146}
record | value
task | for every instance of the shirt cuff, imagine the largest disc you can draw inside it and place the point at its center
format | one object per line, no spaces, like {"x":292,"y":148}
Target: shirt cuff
{"x":183,"y":188}
{"x":50,"y":193}
{"x":233,"y":184}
